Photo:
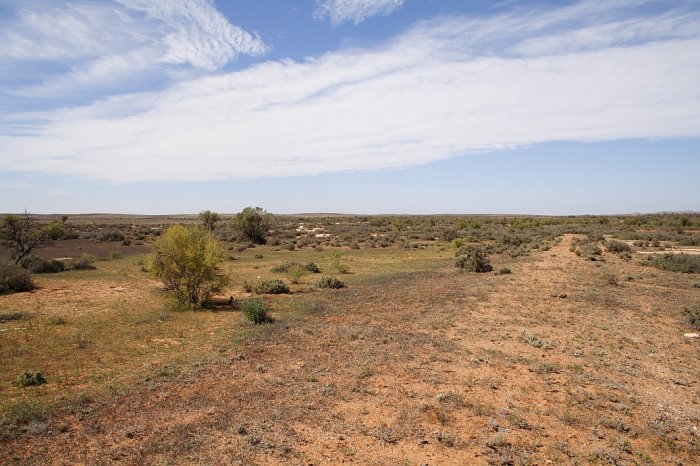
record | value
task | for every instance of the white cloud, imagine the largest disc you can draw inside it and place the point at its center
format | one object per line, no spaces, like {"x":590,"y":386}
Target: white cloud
{"x":98,"y":45}
{"x":199,"y":35}
{"x":355,"y":11}
{"x":437,"y":91}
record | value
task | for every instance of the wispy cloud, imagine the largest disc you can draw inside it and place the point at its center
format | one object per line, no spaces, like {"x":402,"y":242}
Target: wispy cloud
{"x":199,"y":34}
{"x":447,"y":87}
{"x":76,"y":48}
{"x":355,"y":11}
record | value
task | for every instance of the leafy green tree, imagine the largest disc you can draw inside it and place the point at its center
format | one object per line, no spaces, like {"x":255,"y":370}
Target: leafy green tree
{"x":187,"y":260}
{"x":209,"y":219}
{"x":254,"y":223}
{"x":55,"y":229}
{"x":22,"y":234}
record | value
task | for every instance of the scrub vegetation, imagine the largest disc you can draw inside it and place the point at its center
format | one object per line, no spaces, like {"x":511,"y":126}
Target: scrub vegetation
{"x":328,"y":339}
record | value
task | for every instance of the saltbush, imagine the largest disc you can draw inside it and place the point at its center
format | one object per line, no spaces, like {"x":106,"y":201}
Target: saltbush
{"x":274,"y":286}
{"x":256,"y":311}
{"x":330,"y":282}
{"x":14,"y":278}
{"x":617,"y":246}
{"x":474,"y":260}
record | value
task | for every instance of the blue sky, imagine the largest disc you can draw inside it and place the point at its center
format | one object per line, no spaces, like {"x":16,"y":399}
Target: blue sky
{"x":353,"y":106}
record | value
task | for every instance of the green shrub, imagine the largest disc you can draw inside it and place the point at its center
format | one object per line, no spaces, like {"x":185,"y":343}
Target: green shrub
{"x":295,"y":273}
{"x":330,"y":282}
{"x":474,"y":260}
{"x":187,"y":260}
{"x":30,"y":379}
{"x":14,"y":278}
{"x":692,"y":316}
{"x":274,"y":286}
{"x":311,"y":267}
{"x":256,"y":311}
{"x":617,"y":246}
{"x":36,"y":264}
{"x":84,"y":263}
{"x":684,"y":263}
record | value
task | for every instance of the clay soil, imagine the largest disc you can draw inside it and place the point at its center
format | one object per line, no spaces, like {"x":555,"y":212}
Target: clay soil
{"x":564,"y":361}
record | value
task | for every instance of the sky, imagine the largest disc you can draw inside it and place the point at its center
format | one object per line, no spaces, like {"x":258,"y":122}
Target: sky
{"x":350,"y":106}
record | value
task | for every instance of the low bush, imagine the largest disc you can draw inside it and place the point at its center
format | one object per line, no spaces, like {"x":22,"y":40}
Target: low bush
{"x":36,"y":264}
{"x":256,"y":311}
{"x":14,"y":278}
{"x":10,"y":316}
{"x":692,"y":316}
{"x":313,"y":268}
{"x":474,"y":260}
{"x":330,"y":282}
{"x":504,"y":271}
{"x":84,"y":263}
{"x":30,"y":379}
{"x":617,"y":246}
{"x":274,"y":286}
{"x":684,"y":263}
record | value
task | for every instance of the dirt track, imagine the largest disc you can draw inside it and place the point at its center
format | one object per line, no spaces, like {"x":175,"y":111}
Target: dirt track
{"x":551,"y":364}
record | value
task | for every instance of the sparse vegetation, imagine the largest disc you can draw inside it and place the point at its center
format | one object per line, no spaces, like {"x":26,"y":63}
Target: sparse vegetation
{"x":107,"y":343}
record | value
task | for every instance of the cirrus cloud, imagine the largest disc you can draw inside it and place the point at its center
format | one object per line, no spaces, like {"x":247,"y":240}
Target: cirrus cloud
{"x":355,"y":11}
{"x":445,"y":88}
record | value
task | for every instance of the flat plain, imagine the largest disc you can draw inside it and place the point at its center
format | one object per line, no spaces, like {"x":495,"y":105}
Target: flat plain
{"x":571,"y":351}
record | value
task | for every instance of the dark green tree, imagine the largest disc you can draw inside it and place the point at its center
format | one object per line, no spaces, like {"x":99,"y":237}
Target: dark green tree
{"x":254,"y":223}
{"x":209,"y":219}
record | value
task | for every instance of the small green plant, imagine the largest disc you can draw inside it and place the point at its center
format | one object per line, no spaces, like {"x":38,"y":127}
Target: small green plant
{"x":295,"y":273}
{"x":474,"y":260}
{"x":84,"y":263}
{"x":14,"y":278}
{"x":30,"y":379}
{"x":337,"y":263}
{"x":692,"y":316}
{"x":256,"y":311}
{"x":274,"y":286}
{"x":330,"y":282}
{"x":115,"y":255}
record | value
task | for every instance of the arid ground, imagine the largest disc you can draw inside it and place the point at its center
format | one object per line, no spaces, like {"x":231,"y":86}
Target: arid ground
{"x":563,"y":361}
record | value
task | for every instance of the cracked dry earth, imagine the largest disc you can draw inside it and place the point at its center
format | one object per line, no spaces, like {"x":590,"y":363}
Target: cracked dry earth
{"x":552,"y":364}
